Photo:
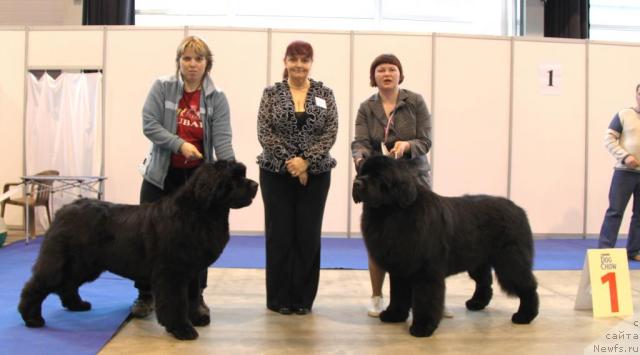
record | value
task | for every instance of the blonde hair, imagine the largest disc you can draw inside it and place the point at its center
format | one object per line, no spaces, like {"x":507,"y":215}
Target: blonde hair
{"x":199,"y":47}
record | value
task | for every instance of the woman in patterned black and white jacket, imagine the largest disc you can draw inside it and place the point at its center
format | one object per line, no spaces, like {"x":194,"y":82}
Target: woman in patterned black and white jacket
{"x":297,"y":126}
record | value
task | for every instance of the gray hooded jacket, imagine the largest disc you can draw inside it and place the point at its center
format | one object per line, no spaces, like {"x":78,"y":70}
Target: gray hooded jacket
{"x":159,"y":125}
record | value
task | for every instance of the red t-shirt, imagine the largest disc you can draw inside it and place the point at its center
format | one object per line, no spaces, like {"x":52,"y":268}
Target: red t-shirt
{"x":189,"y":128}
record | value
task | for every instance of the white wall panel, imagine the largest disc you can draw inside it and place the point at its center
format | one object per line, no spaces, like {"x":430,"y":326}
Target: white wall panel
{"x":240,"y":70}
{"x":32,"y":12}
{"x":331,"y":66}
{"x":65,"y":48}
{"x":471,"y":114}
{"x":548,"y":159}
{"x":414,"y":52}
{"x":135,"y":58}
{"x":12,"y":72}
{"x":613,"y":75}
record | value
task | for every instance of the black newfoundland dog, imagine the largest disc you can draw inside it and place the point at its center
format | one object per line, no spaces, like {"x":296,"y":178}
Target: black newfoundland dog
{"x":167,"y":242}
{"x":420,"y":238}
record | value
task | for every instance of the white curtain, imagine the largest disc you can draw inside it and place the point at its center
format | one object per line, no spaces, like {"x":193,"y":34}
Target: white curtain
{"x":63,"y":128}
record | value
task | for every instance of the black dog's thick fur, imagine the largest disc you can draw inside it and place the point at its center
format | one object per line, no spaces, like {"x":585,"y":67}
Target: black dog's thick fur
{"x":167,"y":243}
{"x":420,"y":238}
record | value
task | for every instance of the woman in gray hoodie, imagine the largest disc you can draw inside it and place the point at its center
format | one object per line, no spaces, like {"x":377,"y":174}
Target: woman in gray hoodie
{"x":187,"y":121}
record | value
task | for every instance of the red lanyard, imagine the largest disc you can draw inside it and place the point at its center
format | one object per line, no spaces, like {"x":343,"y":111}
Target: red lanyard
{"x":389,"y":124}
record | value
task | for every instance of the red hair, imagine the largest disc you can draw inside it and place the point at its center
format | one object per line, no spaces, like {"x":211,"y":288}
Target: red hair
{"x":297,"y":48}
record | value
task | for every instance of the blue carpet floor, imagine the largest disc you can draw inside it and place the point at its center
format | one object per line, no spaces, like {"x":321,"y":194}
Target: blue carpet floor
{"x":87,"y":332}
{"x":343,"y":253}
{"x":65,"y":332}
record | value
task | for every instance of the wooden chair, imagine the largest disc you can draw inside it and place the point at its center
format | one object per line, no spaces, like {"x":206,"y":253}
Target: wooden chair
{"x":39,"y":196}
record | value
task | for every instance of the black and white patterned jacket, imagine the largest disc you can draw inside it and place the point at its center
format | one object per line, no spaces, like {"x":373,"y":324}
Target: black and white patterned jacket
{"x":280,"y":137}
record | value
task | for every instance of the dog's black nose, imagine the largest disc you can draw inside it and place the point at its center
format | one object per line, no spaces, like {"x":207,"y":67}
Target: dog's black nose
{"x":254,"y":187}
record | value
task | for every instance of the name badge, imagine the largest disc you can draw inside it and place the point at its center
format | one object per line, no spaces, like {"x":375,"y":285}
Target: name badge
{"x":321,"y":102}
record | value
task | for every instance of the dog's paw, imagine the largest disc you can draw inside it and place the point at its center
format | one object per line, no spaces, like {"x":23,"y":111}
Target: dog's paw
{"x":523,"y":317}
{"x":475,"y":305}
{"x":200,"y":320}
{"x":421,"y":331}
{"x":480,"y":299}
{"x":81,"y":306}
{"x":389,"y":316}
{"x":185,"y":332}
{"x":34,"y":322}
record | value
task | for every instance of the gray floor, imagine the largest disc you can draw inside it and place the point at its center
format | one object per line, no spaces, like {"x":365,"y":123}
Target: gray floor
{"x":339,"y":324}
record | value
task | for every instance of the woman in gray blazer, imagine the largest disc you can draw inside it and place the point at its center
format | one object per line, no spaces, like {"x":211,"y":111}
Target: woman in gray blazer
{"x":394,"y":122}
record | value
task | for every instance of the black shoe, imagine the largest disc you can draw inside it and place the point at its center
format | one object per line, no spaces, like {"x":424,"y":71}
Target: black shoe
{"x":281,"y":310}
{"x":302,"y":311}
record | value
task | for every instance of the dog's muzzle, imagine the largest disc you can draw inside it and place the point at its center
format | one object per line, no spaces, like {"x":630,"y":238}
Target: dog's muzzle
{"x":253,"y":186}
{"x":249,"y":191}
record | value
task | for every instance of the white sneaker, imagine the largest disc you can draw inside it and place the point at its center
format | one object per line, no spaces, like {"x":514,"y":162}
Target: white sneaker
{"x":446,"y":313}
{"x":375,"y":307}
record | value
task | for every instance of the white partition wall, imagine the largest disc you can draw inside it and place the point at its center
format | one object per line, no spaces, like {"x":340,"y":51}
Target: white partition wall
{"x":548,"y":148}
{"x":511,"y":117}
{"x":331,"y":66}
{"x":83,"y":48}
{"x":240,"y":71}
{"x":613,"y":75}
{"x":134,"y":59}
{"x":471,"y":115}
{"x":12,"y":96}
{"x":414,"y":52}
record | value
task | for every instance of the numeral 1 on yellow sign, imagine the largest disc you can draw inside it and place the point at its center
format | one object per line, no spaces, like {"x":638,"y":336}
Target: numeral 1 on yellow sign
{"x":608,"y":281}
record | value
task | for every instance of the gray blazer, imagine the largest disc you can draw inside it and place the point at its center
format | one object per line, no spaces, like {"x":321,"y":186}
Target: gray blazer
{"x":412,"y":123}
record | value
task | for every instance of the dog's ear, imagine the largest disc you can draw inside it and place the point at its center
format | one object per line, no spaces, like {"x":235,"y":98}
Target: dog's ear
{"x":210,"y":183}
{"x":238,"y":169}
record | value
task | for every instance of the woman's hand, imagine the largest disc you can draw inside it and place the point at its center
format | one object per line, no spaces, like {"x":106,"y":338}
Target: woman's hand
{"x":399,"y":148}
{"x":189,"y":151}
{"x":304,"y":178}
{"x":296,"y":166}
{"x":631,"y":162}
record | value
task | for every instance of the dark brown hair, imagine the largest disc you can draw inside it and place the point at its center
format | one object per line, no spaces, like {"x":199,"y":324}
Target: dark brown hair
{"x":386,"y":58}
{"x":297,"y":48}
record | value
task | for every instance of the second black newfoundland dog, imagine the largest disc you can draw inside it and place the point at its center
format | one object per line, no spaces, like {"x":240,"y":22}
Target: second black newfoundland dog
{"x":167,"y":242}
{"x":420,"y":238}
